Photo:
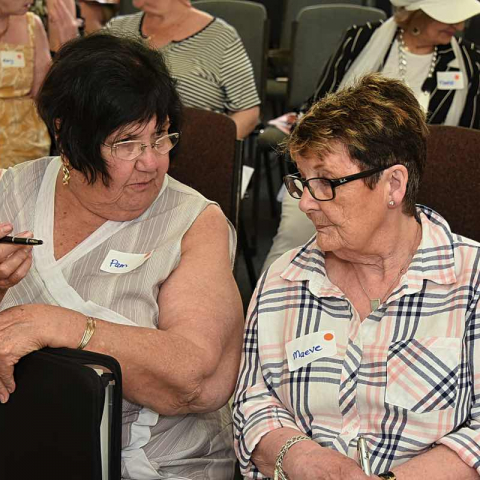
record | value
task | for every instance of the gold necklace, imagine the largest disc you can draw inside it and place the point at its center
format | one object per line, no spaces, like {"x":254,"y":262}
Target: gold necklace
{"x":152,"y":36}
{"x":6,"y":28}
{"x":376,"y":302}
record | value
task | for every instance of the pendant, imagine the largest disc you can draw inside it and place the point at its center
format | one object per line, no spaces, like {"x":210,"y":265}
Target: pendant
{"x":374,"y":303}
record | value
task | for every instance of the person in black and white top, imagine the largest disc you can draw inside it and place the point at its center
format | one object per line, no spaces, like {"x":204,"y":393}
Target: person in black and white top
{"x":204,"y":54}
{"x":418,"y":46}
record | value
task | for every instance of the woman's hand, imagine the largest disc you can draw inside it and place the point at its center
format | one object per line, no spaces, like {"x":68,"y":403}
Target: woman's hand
{"x":311,"y":462}
{"x":15,"y":260}
{"x":20,"y":334}
{"x":62,"y":23}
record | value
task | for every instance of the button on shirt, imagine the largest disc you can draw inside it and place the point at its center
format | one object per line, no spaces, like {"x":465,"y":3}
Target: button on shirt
{"x":406,"y":378}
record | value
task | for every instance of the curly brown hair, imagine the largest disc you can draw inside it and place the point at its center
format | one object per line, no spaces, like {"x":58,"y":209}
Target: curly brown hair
{"x":377,"y":120}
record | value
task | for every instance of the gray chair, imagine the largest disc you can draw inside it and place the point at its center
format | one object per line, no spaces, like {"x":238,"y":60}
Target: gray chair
{"x":292,"y":9}
{"x":280,"y":59}
{"x":321,"y":25}
{"x":250,"y":21}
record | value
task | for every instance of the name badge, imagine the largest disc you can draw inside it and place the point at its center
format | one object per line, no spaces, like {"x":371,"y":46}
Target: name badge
{"x":121,"y":262}
{"x":306,"y":349}
{"x":450,"y":80}
{"x":10,"y":58}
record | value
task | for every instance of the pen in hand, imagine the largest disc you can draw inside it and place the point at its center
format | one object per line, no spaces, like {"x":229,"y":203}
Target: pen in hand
{"x":21,"y":240}
{"x":363,"y":456}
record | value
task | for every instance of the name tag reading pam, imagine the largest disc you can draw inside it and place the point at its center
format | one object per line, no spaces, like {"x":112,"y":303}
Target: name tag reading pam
{"x":306,"y":349}
{"x":11,"y":58}
{"x":122,"y":262}
{"x":450,"y":81}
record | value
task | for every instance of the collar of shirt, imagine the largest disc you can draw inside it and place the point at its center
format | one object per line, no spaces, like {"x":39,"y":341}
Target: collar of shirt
{"x":308,"y":265}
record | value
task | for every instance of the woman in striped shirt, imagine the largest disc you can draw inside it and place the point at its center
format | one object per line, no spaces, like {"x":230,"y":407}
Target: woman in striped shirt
{"x":204,"y":54}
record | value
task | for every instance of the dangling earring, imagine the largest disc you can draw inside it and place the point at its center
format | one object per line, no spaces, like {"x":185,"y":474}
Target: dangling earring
{"x":416,"y":31}
{"x":66,"y":173}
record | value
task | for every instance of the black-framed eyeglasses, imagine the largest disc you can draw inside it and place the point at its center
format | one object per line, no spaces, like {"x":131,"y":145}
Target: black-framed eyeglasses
{"x":131,"y":149}
{"x":323,"y":189}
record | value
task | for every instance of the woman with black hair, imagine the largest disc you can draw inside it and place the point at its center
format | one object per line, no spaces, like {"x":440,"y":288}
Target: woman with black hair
{"x":125,"y":246}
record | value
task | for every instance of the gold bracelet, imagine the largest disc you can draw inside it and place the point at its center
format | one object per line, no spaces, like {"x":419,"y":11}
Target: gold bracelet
{"x":387,"y":476}
{"x":88,"y":333}
{"x":278,"y":473}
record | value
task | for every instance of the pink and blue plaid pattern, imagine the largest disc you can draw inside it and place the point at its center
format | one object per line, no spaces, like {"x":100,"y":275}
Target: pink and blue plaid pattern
{"x":405,"y":378}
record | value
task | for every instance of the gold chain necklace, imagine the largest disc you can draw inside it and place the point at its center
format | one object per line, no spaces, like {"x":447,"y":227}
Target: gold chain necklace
{"x":6,"y":28}
{"x":152,"y":36}
{"x":376,"y":302}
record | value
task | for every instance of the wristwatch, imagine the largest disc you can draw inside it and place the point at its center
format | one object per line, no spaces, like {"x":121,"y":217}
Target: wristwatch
{"x":387,"y":476}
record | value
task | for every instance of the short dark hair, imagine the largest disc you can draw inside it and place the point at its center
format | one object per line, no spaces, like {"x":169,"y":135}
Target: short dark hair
{"x":379,"y":122}
{"x":99,"y":84}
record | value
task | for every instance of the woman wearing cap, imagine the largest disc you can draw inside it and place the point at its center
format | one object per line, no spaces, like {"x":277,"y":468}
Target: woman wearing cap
{"x":417,"y":45}
{"x":371,"y":329}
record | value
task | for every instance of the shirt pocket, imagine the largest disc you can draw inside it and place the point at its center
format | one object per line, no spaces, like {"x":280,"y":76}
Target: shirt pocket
{"x":422,"y":373}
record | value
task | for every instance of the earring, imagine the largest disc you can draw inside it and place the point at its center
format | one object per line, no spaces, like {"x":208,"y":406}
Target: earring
{"x":66,"y":173}
{"x":416,"y":31}
{"x":391,"y":203}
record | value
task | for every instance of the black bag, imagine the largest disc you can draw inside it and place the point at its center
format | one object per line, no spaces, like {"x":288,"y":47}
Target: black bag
{"x":50,"y":427}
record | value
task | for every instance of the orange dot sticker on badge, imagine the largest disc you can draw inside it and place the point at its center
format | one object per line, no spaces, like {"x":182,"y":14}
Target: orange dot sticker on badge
{"x":328,"y":336}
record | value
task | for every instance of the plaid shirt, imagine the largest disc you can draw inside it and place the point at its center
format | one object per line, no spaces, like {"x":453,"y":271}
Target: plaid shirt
{"x":405,"y":378}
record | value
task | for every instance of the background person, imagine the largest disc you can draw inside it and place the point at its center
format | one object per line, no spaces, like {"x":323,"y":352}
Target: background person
{"x":204,"y":54}
{"x":24,"y":61}
{"x":128,"y":249}
{"x":370,"y":328}
{"x":417,"y":45}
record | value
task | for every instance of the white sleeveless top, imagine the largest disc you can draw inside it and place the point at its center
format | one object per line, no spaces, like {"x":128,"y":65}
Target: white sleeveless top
{"x":153,"y":446}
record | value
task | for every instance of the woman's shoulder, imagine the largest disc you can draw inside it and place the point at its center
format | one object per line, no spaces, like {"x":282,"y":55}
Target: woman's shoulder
{"x":365,"y":29}
{"x":181,"y":188}
{"x":470,"y":49}
{"x":125,"y":24}
{"x":26,"y":174}
{"x":220,"y":27}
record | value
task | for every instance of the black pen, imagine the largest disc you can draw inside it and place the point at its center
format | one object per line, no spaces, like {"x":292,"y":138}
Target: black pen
{"x":21,"y":240}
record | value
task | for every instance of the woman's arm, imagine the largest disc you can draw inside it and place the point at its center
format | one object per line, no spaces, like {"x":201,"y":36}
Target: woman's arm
{"x":42,"y":56}
{"x":305,"y":460}
{"x":440,"y":463}
{"x":189,"y":364}
{"x":246,"y":121}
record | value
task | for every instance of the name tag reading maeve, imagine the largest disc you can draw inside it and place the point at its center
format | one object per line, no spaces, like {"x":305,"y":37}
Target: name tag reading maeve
{"x":123,"y":262}
{"x":306,"y":349}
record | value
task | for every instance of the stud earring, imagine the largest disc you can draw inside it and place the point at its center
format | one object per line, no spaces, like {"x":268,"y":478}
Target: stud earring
{"x":66,"y":173}
{"x":391,"y":203}
{"x":416,"y":31}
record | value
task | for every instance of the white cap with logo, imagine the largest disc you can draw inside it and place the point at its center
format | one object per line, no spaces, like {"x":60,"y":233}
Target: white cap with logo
{"x":445,"y":11}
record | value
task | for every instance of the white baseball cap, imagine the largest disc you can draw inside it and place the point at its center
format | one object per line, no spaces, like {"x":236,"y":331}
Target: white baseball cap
{"x":445,"y":11}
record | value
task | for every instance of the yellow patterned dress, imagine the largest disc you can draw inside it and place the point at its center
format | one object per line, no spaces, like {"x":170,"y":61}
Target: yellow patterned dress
{"x":23,"y":135}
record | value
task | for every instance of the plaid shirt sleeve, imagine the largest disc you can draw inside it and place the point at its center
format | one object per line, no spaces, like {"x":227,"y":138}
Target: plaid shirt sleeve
{"x":256,"y":409}
{"x":465,"y":441}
